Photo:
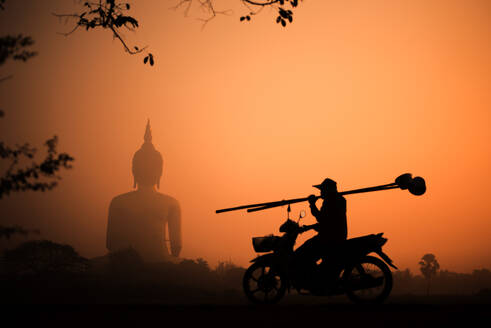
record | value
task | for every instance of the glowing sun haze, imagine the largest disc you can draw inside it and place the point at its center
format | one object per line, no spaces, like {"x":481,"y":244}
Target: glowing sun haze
{"x":358,"y":91}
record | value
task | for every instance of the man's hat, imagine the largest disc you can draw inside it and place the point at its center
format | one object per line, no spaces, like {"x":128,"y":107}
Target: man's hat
{"x":327,"y":184}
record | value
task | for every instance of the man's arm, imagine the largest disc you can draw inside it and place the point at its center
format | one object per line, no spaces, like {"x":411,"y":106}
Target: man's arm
{"x":313,"y":208}
{"x":314,"y":226}
{"x":175,"y":229}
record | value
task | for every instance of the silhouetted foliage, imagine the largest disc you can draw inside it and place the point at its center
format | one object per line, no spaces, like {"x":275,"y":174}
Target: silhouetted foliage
{"x":113,"y":15}
{"x":43,"y":256}
{"x":28,"y":178}
{"x":110,"y":15}
{"x":199,"y":266}
{"x":126,"y":265}
{"x":125,"y":262}
{"x":429,"y":267}
{"x":35,"y":175}
{"x":229,"y":273}
{"x":443,"y":282}
{"x":7,"y":232}
{"x":43,"y":271}
{"x":254,"y":7}
{"x":15,"y":47}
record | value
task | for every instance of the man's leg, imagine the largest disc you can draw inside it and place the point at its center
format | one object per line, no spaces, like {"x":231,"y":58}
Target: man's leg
{"x":305,"y":265}
{"x":332,"y":264}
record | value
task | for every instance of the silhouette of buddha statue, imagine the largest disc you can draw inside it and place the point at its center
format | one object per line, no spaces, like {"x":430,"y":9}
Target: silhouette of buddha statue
{"x":138,"y":219}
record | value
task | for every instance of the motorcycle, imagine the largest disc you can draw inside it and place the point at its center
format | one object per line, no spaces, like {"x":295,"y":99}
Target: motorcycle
{"x":363,"y":277}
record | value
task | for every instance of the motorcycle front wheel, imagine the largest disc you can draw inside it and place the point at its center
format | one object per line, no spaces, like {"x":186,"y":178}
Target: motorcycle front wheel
{"x":368,"y":281}
{"x":262,"y":284}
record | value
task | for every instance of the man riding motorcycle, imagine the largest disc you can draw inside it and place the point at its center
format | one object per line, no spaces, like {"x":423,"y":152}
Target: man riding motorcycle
{"x":327,"y":244}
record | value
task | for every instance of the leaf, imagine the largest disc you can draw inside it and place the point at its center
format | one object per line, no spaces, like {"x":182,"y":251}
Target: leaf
{"x":128,"y":6}
{"x":136,"y":48}
{"x":283,"y":23}
{"x":123,"y":20}
{"x":248,"y":18}
{"x":145,"y":60}
{"x":151,"y":59}
{"x":242,"y":18}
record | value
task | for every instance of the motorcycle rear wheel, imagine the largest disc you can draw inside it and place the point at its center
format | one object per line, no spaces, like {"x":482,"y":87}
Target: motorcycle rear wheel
{"x":368,"y":281}
{"x":262,"y":284}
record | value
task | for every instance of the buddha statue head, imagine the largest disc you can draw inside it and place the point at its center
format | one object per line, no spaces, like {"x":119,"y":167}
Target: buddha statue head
{"x":147,"y":163}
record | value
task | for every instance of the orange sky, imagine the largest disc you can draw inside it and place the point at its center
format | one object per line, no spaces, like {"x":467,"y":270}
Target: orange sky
{"x":358,"y":91}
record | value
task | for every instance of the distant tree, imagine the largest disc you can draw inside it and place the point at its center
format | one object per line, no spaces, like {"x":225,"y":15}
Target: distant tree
{"x":199,"y":266}
{"x":33,"y":175}
{"x":7,"y":232}
{"x":482,"y":279}
{"x":230,"y":274}
{"x":203,"y":264}
{"x":125,"y":262}
{"x":403,"y":280}
{"x":224,"y":266}
{"x":43,"y":256}
{"x":429,"y":267}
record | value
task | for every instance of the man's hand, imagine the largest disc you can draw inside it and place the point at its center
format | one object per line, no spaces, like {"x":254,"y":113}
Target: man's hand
{"x":312,"y":199}
{"x":309,"y":227}
{"x":305,"y":228}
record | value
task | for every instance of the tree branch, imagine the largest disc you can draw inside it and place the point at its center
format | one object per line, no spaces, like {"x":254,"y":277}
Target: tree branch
{"x":108,"y":14}
{"x":28,"y":178}
{"x":264,"y":4}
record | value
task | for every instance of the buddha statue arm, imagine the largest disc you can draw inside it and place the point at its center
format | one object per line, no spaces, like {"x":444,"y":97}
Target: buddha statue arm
{"x":175,"y":229}
{"x":110,"y":242}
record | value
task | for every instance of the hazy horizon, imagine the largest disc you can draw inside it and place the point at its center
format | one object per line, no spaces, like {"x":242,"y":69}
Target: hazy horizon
{"x":358,"y":91}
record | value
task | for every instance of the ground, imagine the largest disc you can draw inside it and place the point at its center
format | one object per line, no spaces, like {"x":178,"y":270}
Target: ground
{"x":295,"y":311}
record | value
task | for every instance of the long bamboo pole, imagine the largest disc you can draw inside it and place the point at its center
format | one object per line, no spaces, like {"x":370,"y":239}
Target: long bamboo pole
{"x":264,"y":206}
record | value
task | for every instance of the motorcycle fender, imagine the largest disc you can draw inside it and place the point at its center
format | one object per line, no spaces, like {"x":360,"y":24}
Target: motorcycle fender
{"x":268,"y":258}
{"x":386,"y":258}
